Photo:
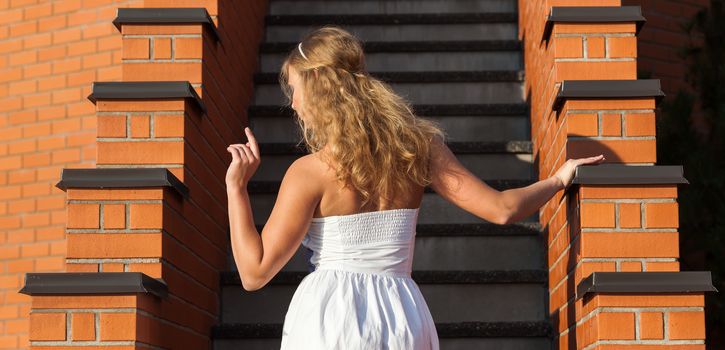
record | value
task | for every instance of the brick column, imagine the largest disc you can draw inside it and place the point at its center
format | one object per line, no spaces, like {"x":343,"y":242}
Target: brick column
{"x":618,"y":218}
{"x":147,"y":231}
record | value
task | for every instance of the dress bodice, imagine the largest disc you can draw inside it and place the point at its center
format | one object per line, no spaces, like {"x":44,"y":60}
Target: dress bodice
{"x":380,"y":242}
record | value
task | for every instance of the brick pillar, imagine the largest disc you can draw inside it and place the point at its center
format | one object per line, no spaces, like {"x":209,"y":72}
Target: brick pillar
{"x":618,"y":220}
{"x":147,"y":231}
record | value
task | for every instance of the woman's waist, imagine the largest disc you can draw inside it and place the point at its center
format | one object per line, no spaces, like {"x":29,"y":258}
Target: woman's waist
{"x":390,"y":270}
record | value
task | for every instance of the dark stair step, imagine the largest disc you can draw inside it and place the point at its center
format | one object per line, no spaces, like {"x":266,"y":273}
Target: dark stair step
{"x":512,"y":147}
{"x":445,"y":330}
{"x":411,"y":46}
{"x":407,"y":18}
{"x":516,"y":110}
{"x":423,"y":77}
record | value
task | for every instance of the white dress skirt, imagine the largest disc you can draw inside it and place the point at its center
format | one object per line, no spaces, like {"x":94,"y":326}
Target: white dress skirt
{"x":360,"y":295}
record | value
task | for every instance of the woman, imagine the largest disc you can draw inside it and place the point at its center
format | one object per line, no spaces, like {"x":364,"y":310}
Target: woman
{"x":354,"y":202}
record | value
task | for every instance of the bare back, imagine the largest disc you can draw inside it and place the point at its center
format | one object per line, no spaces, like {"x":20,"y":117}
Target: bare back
{"x":338,"y":200}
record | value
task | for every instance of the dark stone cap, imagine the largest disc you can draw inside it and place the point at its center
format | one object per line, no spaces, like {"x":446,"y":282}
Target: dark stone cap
{"x":89,"y":283}
{"x":120,"y":178}
{"x":165,"y":16}
{"x":607,"y":89}
{"x":646,"y":282}
{"x":619,"y":174}
{"x":144,"y":90}
{"x":593,"y":14}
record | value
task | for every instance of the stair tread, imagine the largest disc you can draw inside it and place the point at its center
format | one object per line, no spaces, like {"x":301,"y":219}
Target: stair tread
{"x":444,"y":330}
{"x":411,"y":46}
{"x":256,"y":186}
{"x":230,"y":278}
{"x":444,"y":110}
{"x":472,"y":147}
{"x":394,"y":19}
{"x":424,"y":77}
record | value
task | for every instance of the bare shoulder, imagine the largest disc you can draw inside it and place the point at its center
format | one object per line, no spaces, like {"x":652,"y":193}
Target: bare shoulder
{"x":309,"y":170}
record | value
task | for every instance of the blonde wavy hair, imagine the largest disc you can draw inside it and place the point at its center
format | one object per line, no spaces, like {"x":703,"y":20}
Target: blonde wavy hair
{"x":375,"y":140}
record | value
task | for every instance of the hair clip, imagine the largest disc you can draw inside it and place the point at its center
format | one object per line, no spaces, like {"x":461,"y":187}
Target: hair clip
{"x":299,"y":47}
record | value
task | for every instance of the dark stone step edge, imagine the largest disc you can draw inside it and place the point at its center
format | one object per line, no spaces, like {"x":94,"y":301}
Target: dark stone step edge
{"x":411,"y":46}
{"x":513,"y":147}
{"x":424,"y":77}
{"x":265,"y":187}
{"x":503,"y":109}
{"x":392,"y":19}
{"x":444,"y":330}
{"x":231,"y":278}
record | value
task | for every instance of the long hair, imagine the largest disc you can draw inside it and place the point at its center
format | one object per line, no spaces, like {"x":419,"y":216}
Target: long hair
{"x":376,"y":142}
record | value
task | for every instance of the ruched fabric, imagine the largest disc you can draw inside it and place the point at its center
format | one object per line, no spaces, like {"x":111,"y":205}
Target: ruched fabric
{"x":360,"y":295}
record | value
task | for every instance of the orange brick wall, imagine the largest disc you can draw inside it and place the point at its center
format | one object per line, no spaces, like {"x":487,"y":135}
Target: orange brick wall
{"x":50,"y":53}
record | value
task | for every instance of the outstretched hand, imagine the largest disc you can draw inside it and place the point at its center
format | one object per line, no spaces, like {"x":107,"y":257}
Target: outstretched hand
{"x":565,"y":174}
{"x":245,"y":161}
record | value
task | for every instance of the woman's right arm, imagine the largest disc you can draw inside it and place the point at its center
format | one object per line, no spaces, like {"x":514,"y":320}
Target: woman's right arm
{"x":452,"y":181}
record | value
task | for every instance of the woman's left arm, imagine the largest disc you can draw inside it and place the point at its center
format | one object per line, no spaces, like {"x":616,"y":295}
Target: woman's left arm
{"x":260,"y":257}
{"x":525,"y":201}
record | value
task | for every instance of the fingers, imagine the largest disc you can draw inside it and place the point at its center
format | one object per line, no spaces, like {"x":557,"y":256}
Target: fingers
{"x":252,"y":142}
{"x":235,"y":153}
{"x":247,"y":153}
{"x":590,"y":160}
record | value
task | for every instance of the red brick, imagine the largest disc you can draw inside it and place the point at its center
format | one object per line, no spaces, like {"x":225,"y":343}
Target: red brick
{"x":136,"y":48}
{"x":162,"y":48}
{"x":616,"y":326}
{"x":629,"y":244}
{"x":137,"y":245}
{"x":582,"y":124}
{"x":162,"y":71}
{"x":597,"y":214}
{"x":187,"y":48}
{"x":83,"y":215}
{"x":622,"y":47}
{"x":595,"y":47}
{"x":630,"y":266}
{"x":639,"y":124}
{"x":145,"y":215}
{"x":686,"y":325}
{"x":651,"y":325}
{"x":661,"y":215}
{"x":630,"y":215}
{"x":84,"y":326}
{"x":140,"y":126}
{"x":47,"y":326}
{"x":140,"y":152}
{"x":615,"y":151}
{"x":611,"y":124}
{"x":114,"y":216}
{"x":117,"y":326}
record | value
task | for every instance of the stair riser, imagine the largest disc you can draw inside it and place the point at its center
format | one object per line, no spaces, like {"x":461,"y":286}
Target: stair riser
{"x":486,"y":166}
{"x":447,"y":302}
{"x":478,"y":128}
{"x":534,"y":343}
{"x":422,"y":62}
{"x":402,"y":32}
{"x":428,"y":93}
{"x":434,"y":210}
{"x":461,"y":253}
{"x":293,"y":7}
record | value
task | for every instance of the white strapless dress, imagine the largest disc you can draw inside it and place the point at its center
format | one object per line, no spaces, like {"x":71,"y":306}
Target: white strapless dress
{"x":360,"y":295}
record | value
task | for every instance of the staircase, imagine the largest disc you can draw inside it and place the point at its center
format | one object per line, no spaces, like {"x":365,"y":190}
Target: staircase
{"x":459,"y":63}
